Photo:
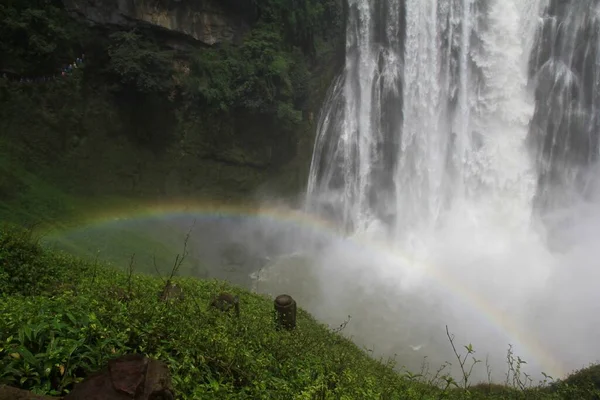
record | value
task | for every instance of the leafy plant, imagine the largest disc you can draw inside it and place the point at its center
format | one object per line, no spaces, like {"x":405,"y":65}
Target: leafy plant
{"x":259,"y":76}
{"x":140,"y":63}
{"x":26,"y":269}
{"x":37,"y":37}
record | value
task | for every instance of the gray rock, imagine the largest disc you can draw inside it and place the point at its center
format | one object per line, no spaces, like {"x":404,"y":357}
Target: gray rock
{"x":207,"y":21}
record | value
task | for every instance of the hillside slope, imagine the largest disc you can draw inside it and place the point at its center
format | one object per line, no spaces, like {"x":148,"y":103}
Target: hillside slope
{"x":63,"y":318}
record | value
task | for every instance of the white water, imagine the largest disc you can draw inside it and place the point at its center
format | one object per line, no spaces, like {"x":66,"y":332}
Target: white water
{"x":422,"y":147}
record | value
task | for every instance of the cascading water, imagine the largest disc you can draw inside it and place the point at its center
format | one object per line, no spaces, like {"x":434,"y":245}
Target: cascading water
{"x":355,"y":147}
{"x":565,"y":68}
{"x":434,"y":111}
{"x":455,"y":124}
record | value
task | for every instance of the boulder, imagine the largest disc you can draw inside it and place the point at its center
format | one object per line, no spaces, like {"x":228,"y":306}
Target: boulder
{"x":128,"y":377}
{"x":226,"y":302}
{"x":10,"y":393}
{"x":207,"y":21}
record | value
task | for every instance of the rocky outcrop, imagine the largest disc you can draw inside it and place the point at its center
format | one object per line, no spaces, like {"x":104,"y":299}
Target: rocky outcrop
{"x":565,"y":72}
{"x":169,"y":145}
{"x":129,"y":377}
{"x":207,"y":21}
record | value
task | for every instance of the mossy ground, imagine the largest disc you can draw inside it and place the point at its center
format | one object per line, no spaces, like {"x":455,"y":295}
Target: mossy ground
{"x":64,"y":317}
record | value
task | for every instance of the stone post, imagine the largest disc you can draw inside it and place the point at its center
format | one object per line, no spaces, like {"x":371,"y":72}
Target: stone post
{"x":285,"y":308}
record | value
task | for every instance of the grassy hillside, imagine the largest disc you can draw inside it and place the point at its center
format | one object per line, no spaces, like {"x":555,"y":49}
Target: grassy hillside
{"x":59,"y":323}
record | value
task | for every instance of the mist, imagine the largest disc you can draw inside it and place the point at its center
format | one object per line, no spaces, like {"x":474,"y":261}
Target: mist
{"x":494,"y":280}
{"x":532,"y":285}
{"x":476,"y":206}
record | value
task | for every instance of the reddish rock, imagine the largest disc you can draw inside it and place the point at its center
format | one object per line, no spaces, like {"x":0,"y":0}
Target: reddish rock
{"x":10,"y":393}
{"x":128,"y":377}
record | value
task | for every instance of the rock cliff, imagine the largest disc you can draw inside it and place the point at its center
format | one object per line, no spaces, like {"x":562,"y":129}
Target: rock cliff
{"x":207,"y":21}
{"x":159,"y":109}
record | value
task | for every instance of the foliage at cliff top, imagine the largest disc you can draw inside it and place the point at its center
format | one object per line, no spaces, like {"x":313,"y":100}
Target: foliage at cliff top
{"x":63,"y":318}
{"x":267,"y":73}
{"x":37,"y":36}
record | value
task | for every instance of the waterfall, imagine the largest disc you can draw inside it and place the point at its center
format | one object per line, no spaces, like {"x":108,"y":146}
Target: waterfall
{"x":456,"y":127}
{"x":358,"y":132}
{"x":565,"y":69}
{"x":431,"y":113}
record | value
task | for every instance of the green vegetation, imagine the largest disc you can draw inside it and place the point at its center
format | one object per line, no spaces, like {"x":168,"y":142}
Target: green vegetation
{"x":54,"y":333}
{"x":138,"y":64}
{"x":37,"y":36}
{"x":146,"y":120}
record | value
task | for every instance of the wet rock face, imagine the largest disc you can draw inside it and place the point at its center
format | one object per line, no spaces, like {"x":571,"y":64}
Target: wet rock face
{"x":565,"y":74}
{"x":129,"y":377}
{"x":208,"y":21}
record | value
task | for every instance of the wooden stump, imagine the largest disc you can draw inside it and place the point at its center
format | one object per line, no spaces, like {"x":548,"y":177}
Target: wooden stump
{"x":285,"y":307}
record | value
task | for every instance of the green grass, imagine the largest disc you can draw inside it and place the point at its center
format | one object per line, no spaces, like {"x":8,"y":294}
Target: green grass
{"x":63,"y":317}
{"x":27,"y":199}
{"x":24,"y":197}
{"x":116,"y":246}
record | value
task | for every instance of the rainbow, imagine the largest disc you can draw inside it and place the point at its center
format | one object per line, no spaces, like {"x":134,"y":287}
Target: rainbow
{"x":210,"y":210}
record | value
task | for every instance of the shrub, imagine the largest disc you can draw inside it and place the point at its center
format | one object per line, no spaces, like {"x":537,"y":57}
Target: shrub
{"x":584,"y":383}
{"x":140,"y":64}
{"x":37,"y":36}
{"x":21,"y":267}
{"x":26,"y":269}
